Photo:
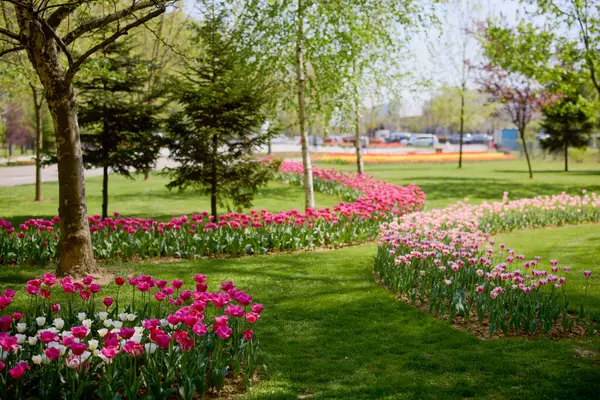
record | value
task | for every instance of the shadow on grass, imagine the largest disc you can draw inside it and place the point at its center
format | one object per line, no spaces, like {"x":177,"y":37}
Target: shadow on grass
{"x":329,"y":331}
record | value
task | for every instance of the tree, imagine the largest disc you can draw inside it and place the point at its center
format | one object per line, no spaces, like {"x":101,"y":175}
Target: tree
{"x":582,"y":17}
{"x":513,"y":60}
{"x":570,"y":120}
{"x":47,"y":31}
{"x":457,"y":45}
{"x":118,"y":117}
{"x":322,"y":40}
{"x":224,"y":102}
{"x":17,"y":133}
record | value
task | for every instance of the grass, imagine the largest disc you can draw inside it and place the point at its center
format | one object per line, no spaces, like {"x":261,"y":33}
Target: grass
{"x":329,"y":331}
{"x":574,"y":246}
{"x":139,"y":198}
{"x":445,"y":184}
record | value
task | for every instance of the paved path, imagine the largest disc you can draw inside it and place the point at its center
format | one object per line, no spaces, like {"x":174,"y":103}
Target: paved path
{"x":25,"y":175}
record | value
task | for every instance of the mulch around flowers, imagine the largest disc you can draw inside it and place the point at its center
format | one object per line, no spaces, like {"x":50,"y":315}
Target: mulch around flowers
{"x":481,"y":330}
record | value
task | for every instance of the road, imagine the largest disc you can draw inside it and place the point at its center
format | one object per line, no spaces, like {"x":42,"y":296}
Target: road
{"x":25,"y":175}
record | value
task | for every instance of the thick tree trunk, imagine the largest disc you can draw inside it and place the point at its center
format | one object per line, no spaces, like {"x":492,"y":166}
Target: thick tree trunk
{"x":462,"y":128}
{"x":147,"y":174}
{"x":105,"y":191}
{"x":566,"y":156}
{"x":522,"y":134}
{"x":76,"y":255}
{"x":38,"y":143}
{"x":309,"y":194}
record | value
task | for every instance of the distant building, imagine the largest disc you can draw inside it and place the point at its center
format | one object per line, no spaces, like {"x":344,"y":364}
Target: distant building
{"x":509,"y":138}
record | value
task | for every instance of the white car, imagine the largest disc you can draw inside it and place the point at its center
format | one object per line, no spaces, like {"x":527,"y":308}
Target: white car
{"x":423,"y":140}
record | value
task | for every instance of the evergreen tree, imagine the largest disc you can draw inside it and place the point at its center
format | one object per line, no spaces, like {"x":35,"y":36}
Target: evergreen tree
{"x":568,"y":124}
{"x":118,"y":119}
{"x":224,"y":101}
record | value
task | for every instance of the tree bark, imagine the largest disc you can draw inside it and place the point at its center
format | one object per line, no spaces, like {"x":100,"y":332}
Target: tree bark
{"x":566,"y":156}
{"x":309,"y":194}
{"x":37,"y":103}
{"x":105,"y":191}
{"x":213,"y":180}
{"x":522,"y":134}
{"x":147,"y":174}
{"x":359,"y":159}
{"x":462,"y":127}
{"x":76,"y":255}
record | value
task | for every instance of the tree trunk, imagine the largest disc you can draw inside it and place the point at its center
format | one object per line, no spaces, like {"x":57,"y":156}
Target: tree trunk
{"x":105,"y":191}
{"x":522,"y":134}
{"x":462,"y":127}
{"x":76,"y":255}
{"x":11,"y":149}
{"x":566,"y":156}
{"x":213,"y":180}
{"x":309,"y":194}
{"x":269,"y":147}
{"x":147,"y":174}
{"x":359,"y":160}
{"x":38,"y":143}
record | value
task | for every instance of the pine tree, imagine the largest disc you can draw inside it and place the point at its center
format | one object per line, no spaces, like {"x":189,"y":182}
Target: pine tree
{"x":118,"y":119}
{"x":568,"y":124}
{"x":224,"y":102}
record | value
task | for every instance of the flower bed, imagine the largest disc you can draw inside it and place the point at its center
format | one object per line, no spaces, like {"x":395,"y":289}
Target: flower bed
{"x":445,"y":261}
{"x":167,"y":341}
{"x":415,"y":157}
{"x":368,"y":202}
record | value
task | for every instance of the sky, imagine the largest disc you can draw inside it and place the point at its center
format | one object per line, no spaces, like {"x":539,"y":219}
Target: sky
{"x":430,"y":60}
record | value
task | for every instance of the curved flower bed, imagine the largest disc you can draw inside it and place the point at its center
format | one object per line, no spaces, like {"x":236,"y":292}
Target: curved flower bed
{"x":368,"y":202}
{"x":445,"y":261}
{"x":167,"y":341}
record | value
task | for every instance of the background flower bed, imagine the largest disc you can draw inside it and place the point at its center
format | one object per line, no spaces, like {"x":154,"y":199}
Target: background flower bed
{"x":415,"y":157}
{"x":167,"y":341}
{"x":445,"y":260}
{"x":367,"y":203}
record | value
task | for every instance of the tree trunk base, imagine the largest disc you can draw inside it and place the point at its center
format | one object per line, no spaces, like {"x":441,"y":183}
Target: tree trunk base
{"x":76,"y":257}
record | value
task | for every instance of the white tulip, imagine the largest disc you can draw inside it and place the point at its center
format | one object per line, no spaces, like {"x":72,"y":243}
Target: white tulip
{"x":164,"y":322}
{"x":117,"y":324}
{"x":102,"y":315}
{"x":108,"y":323}
{"x":85,"y":356}
{"x":87,"y":323}
{"x":59,"y":323}
{"x":93,"y":344}
{"x":102,"y":332}
{"x":131,"y":317}
{"x":123,"y":316}
{"x":150,"y":347}
{"x":32,"y":340}
{"x":21,"y":327}
{"x":41,"y":321}
{"x":81,"y":316}
{"x":37,"y":360}
{"x":137,"y":338}
{"x":21,"y":338}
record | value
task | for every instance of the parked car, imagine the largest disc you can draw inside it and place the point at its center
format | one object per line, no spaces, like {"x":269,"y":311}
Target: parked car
{"x":423,"y":140}
{"x":402,"y":138}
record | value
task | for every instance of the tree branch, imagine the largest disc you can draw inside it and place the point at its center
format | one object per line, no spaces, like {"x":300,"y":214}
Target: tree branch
{"x":73,"y":69}
{"x":61,"y":13}
{"x":11,"y":50}
{"x":103,"y":21}
{"x":10,"y":34}
{"x":61,"y":44}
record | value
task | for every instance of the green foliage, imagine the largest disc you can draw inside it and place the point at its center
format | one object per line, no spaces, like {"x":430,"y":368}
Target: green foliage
{"x":224,"y":102}
{"x":118,"y":118}
{"x":568,"y":123}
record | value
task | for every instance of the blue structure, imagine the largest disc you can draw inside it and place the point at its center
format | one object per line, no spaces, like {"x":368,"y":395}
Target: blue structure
{"x":509,"y":138}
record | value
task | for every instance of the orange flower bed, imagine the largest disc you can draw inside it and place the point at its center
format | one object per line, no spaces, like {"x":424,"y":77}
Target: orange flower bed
{"x":414,"y":157}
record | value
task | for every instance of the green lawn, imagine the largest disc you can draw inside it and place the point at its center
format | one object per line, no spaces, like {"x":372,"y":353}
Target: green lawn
{"x":330,"y":331}
{"x":138,"y":198}
{"x":446,"y":184}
